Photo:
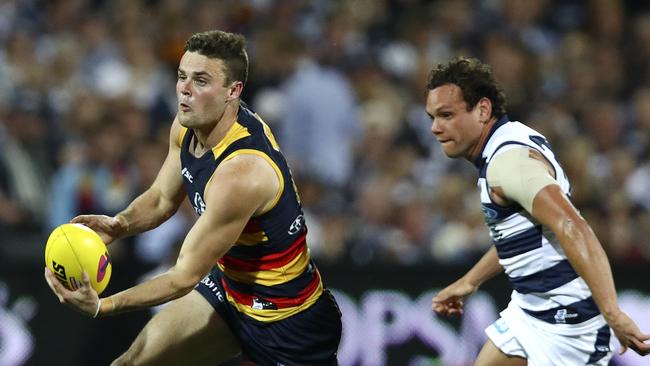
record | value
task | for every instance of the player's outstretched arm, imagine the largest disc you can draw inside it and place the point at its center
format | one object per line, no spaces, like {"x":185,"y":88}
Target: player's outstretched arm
{"x":151,"y":208}
{"x":449,"y":301}
{"x":240,"y":188}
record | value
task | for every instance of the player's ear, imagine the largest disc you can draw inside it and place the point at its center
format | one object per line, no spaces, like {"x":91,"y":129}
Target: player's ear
{"x":485,"y":109}
{"x":235,"y":90}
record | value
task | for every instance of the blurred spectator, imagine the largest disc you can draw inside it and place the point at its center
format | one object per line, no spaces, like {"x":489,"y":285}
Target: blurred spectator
{"x":87,"y":94}
{"x":320,"y":123}
{"x":96,"y":178}
{"x":24,"y":170}
{"x":637,"y":185}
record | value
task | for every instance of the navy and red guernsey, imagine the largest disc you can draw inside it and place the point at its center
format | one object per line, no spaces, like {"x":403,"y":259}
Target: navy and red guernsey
{"x":268,"y":274}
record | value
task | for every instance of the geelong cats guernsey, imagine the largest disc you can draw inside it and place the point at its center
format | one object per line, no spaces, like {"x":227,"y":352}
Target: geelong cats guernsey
{"x":268,"y":274}
{"x":545,"y":284}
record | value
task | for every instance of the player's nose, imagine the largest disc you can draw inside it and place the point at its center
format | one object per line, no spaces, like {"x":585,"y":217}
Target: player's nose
{"x":435,"y":127}
{"x":183,"y":87}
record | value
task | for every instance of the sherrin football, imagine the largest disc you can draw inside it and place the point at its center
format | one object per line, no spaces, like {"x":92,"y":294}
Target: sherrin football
{"x":73,"y":248}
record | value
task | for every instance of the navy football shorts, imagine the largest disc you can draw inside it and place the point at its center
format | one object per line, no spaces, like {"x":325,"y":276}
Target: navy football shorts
{"x":310,"y":337}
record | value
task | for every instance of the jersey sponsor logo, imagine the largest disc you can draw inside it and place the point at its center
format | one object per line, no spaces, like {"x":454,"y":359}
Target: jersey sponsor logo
{"x":199,"y":205}
{"x":489,"y":213}
{"x":501,"y":326}
{"x":208,"y":282}
{"x":213,"y":287}
{"x":218,"y":294}
{"x":562,"y":315}
{"x":296,"y":225}
{"x":602,"y":348}
{"x":187,"y":175}
{"x":261,"y":304}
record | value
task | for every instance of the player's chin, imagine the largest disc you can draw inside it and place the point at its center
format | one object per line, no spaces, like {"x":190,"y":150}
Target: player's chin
{"x":451,"y":150}
{"x":184,"y":120}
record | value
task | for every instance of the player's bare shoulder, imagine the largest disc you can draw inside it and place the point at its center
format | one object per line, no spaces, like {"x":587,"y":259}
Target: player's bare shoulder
{"x":250,"y":177}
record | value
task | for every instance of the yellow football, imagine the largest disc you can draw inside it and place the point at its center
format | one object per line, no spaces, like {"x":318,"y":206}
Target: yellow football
{"x":74,"y":248}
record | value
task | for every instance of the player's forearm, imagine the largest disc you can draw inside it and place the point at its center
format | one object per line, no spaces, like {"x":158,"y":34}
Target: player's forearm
{"x":487,"y":267}
{"x":159,"y":290}
{"x":146,"y":212}
{"x":589,"y":260}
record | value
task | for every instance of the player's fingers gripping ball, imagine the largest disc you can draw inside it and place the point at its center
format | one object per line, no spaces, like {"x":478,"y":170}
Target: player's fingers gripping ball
{"x":74,"y":248}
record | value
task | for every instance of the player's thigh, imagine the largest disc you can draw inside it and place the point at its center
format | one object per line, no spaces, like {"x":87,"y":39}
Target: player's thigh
{"x":188,"y":331}
{"x":490,"y":355}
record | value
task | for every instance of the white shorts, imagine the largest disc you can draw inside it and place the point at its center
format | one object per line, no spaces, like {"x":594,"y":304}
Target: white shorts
{"x":518,"y":334}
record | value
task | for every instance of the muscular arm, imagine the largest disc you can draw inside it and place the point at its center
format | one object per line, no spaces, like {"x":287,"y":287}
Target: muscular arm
{"x":552,"y":208}
{"x":240,"y":188}
{"x":523,"y":176}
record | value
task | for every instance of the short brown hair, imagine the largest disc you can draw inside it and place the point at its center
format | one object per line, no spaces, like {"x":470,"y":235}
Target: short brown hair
{"x":228,"y":47}
{"x":474,"y":79}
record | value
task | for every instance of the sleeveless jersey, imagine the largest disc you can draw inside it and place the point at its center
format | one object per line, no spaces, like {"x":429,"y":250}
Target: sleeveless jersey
{"x":545,"y":284}
{"x":268,"y":274}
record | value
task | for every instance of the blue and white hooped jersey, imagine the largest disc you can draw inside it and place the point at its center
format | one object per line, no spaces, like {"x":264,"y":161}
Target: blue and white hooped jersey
{"x":545,"y":284}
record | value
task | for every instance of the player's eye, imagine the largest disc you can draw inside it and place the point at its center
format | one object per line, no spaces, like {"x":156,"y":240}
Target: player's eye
{"x":200,"y":82}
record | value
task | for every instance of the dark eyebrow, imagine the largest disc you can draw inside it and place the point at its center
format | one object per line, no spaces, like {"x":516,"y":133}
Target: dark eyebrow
{"x":201,"y":73}
{"x":441,"y":108}
{"x":196,"y":73}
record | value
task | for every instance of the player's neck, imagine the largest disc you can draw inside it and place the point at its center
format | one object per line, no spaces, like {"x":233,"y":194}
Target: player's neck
{"x":481,"y":140}
{"x":210,"y":138}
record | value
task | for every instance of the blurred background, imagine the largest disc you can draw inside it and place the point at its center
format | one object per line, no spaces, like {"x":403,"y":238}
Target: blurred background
{"x":87,"y":98}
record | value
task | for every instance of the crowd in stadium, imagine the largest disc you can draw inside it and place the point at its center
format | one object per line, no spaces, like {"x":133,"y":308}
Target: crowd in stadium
{"x":87,"y":97}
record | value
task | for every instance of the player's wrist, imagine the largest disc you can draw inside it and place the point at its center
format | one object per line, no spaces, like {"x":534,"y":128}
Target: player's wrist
{"x":611,"y":314}
{"x":470,"y":283}
{"x":99,"y":306}
{"x":107,"y":306}
{"x":123,"y":224}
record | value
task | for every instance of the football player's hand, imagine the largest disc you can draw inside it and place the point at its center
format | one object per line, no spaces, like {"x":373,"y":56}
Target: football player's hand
{"x":449,"y":301}
{"x":84,"y":299}
{"x":108,"y":228}
{"x":629,"y":334}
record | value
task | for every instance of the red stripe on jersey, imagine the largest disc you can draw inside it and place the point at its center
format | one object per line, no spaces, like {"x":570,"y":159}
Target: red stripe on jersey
{"x":280,"y":302}
{"x":269,"y":261}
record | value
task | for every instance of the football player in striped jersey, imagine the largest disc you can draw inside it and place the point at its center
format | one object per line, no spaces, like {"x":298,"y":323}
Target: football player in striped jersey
{"x":563,"y":304}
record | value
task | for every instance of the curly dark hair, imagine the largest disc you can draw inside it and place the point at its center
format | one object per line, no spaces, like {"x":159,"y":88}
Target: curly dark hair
{"x":474,"y":79}
{"x":228,"y":47}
